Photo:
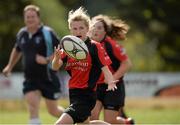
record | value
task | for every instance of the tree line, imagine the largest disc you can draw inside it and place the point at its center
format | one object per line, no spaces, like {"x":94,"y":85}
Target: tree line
{"x":153,"y":42}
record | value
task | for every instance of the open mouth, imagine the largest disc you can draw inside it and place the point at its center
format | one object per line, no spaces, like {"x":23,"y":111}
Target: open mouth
{"x":79,"y":36}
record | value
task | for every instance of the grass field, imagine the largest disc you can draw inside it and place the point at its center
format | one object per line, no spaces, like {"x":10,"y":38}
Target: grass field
{"x":143,"y":110}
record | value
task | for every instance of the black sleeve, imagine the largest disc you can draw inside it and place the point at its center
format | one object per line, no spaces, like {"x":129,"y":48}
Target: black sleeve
{"x":18,"y":39}
{"x":95,"y":56}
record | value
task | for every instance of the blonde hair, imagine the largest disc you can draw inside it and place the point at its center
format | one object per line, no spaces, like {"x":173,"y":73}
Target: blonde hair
{"x":32,"y":7}
{"x":115,"y":28}
{"x":79,"y":15}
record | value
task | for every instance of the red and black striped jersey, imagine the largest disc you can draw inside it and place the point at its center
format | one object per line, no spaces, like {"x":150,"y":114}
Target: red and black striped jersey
{"x":85,"y":73}
{"x":116,"y":53}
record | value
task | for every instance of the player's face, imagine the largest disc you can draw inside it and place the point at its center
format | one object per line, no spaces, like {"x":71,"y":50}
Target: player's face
{"x":79,"y":29}
{"x":97,"y":31}
{"x":31,"y":19}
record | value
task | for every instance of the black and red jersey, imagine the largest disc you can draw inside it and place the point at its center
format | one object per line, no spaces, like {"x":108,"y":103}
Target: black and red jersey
{"x":116,"y":53}
{"x":85,"y":73}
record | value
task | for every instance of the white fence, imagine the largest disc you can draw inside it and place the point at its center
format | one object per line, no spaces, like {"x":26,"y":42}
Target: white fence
{"x":137,"y":84}
{"x":147,"y":84}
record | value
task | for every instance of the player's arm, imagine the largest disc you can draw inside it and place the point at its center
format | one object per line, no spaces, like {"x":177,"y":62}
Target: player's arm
{"x":120,"y":53}
{"x":123,"y":68}
{"x":109,"y":78}
{"x":43,"y":60}
{"x":103,"y":62}
{"x":55,"y":42}
{"x":57,"y":62}
{"x":14,"y":58}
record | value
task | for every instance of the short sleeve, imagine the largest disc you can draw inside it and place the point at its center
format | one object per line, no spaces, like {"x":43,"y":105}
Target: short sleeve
{"x":18,"y":39}
{"x":101,"y":56}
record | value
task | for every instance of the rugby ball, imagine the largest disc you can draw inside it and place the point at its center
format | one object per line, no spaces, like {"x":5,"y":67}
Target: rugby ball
{"x":74,"y":47}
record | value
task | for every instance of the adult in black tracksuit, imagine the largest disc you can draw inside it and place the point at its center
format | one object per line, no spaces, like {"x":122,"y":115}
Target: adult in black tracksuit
{"x":40,"y":80}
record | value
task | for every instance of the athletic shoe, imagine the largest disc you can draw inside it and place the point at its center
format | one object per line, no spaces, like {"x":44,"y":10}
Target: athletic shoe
{"x":130,"y":121}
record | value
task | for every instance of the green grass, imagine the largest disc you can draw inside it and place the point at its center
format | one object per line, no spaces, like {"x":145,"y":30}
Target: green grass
{"x":144,"y":111}
{"x":154,"y":116}
{"x":21,"y":117}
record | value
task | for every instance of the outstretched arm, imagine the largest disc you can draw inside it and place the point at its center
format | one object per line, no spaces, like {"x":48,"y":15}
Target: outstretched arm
{"x":109,"y":78}
{"x":57,"y":62}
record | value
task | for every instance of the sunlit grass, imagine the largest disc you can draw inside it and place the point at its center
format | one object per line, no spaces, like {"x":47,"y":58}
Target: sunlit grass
{"x":144,"y":111}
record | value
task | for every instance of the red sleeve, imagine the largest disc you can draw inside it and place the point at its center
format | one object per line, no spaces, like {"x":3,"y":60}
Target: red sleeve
{"x":119,"y":51}
{"x":103,"y":56}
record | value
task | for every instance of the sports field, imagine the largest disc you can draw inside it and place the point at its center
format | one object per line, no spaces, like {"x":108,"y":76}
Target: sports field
{"x":143,"y":110}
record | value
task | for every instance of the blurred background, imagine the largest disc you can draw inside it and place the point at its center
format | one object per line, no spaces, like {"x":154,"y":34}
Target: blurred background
{"x":153,"y":45}
{"x":153,"y":42}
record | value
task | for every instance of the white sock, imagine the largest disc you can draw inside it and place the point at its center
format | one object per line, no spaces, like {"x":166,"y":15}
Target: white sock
{"x":35,"y":121}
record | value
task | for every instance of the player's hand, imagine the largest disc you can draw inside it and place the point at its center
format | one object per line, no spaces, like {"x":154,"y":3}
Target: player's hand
{"x":57,"y":62}
{"x":41,"y":59}
{"x":6,"y":71}
{"x":112,"y":86}
{"x":57,"y":52}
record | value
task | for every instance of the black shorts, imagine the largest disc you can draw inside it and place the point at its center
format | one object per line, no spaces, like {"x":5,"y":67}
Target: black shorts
{"x":111,"y":100}
{"x":81,"y":104}
{"x":49,"y":89}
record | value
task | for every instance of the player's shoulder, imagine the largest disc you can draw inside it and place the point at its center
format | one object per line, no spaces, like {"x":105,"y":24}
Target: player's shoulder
{"x":50,"y":30}
{"x":22,"y":30}
{"x":47,"y":28}
{"x":110,"y":40}
{"x":113,"y":42}
{"x":96,"y":46}
{"x":95,"y":43}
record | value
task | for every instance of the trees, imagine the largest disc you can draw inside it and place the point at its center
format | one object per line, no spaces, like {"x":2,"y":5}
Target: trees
{"x":154,"y":38}
{"x":159,"y":21}
{"x":10,"y":22}
{"x":11,"y":19}
{"x":153,"y":41}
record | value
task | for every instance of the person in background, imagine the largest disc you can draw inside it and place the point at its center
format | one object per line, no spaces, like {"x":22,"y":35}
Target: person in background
{"x":106,"y":31}
{"x":40,"y":79}
{"x":83,"y":73}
